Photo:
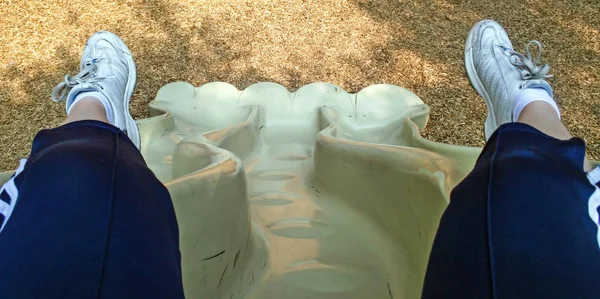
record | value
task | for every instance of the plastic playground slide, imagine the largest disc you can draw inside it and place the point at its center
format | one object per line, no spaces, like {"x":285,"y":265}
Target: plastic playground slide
{"x":313,"y":194}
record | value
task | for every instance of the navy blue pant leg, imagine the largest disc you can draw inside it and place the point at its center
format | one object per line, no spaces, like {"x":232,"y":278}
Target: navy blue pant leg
{"x":90,"y":221}
{"x":523,"y":224}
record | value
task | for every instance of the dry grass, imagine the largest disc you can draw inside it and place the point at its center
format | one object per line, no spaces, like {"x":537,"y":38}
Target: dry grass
{"x":351,"y":43}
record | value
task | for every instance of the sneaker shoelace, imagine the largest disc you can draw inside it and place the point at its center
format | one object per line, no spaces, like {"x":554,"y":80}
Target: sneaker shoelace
{"x":85,"y":76}
{"x":530,"y":69}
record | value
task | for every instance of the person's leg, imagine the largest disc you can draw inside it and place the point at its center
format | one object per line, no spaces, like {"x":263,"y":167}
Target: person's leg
{"x":84,"y":217}
{"x":88,"y":108}
{"x":543,"y":117}
{"x":524,"y":222}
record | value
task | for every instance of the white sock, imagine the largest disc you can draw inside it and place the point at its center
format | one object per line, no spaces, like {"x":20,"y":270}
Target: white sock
{"x":110,"y":115}
{"x":531,"y":95}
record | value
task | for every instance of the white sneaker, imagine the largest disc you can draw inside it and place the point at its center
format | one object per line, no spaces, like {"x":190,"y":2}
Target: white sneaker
{"x":499,"y":74}
{"x":107,"y":67}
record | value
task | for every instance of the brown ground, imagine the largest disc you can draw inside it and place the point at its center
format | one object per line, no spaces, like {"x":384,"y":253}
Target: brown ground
{"x":351,"y":43}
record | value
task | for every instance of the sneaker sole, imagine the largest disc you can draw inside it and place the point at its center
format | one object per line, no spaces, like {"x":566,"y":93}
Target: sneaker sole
{"x":130,"y":124}
{"x":490,"y":122}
